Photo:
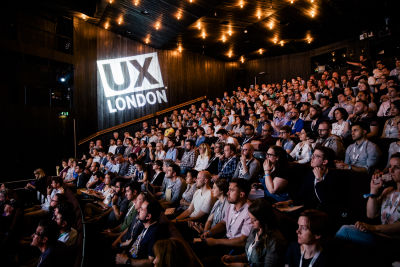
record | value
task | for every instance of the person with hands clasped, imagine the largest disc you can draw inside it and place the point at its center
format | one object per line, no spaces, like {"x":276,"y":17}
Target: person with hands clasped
{"x":384,"y":203}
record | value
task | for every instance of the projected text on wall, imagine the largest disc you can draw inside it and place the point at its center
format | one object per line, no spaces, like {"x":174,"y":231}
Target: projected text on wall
{"x":132,"y":82}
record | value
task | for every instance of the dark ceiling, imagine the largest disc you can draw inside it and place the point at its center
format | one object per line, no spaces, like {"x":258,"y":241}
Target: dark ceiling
{"x":333,"y":20}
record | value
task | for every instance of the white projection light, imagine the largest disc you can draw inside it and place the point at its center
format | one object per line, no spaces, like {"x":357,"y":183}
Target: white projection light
{"x":124,"y":78}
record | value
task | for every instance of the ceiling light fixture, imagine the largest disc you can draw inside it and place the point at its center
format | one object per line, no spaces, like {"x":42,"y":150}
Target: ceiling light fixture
{"x":136,"y":2}
{"x":241,"y":3}
{"x":282,"y":43}
{"x":110,"y":1}
{"x":242,"y":59}
{"x":271,"y":25}
{"x":180,"y":48}
{"x":84,"y":17}
{"x":258,"y":14}
{"x":120,"y":20}
{"x":147,"y":40}
{"x":178,"y":14}
{"x":106,"y":25}
{"x":275,"y":40}
{"x":223,"y":38}
{"x":203,"y":34}
{"x":260,"y":51}
{"x":157,"y":25}
{"x":199,"y":25}
{"x":230,"y":53}
{"x":230,"y":32}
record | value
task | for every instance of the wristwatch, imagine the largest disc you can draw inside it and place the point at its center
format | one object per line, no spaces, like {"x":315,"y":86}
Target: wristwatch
{"x":370,"y":195}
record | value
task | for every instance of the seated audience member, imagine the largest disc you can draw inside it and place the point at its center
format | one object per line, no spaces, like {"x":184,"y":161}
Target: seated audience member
{"x":200,"y":136}
{"x":265,"y":245}
{"x":275,"y":180}
{"x":382,"y":203}
{"x":320,"y":186}
{"x":120,"y":149}
{"x":174,"y":252}
{"x":144,"y":153}
{"x":119,"y":206}
{"x":219,"y":190}
{"x":284,"y":141}
{"x":361,"y":114}
{"x":392,"y":95}
{"x":82,"y":178}
{"x":189,"y":157}
{"x":248,"y":167}
{"x":52,"y":251}
{"x":311,"y":233}
{"x":37,"y":187}
{"x":112,"y":147}
{"x":96,"y":179}
{"x":394,"y":147}
{"x":302,"y":151}
{"x":141,"y":252}
{"x":212,"y":166}
{"x":123,"y":166}
{"x":202,"y":200}
{"x":265,"y":138}
{"x":64,"y":219}
{"x":362,"y":155}
{"x":316,"y":118}
{"x":279,"y":120}
{"x":296,"y":124}
{"x":203,"y":157}
{"x":66,"y":166}
{"x":236,"y":224}
{"x":126,"y":231}
{"x":327,"y":139}
{"x":94,"y":168}
{"x":238,"y":127}
{"x":248,"y":134}
{"x":227,"y":163}
{"x":172,"y":152}
{"x":187,"y":195}
{"x":341,"y":127}
{"x":390,"y":129}
{"x":171,"y":188}
{"x":140,"y":173}
{"x":158,"y":177}
{"x":224,"y":137}
{"x":54,"y":189}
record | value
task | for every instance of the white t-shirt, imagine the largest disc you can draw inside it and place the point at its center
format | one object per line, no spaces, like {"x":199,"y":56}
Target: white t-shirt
{"x":202,"y":202}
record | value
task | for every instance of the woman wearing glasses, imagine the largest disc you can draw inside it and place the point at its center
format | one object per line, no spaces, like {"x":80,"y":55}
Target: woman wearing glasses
{"x":275,"y":180}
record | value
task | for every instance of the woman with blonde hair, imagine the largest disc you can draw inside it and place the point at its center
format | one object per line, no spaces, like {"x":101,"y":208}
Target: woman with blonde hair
{"x":37,"y":187}
{"x":203,"y":158}
{"x":174,"y":252}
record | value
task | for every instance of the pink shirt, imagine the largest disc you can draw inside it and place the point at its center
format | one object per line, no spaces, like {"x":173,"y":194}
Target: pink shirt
{"x":237,"y":222}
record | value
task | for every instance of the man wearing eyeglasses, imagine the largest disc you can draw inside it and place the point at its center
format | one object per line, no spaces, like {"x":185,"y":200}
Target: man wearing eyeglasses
{"x":248,"y":167}
{"x":327,"y":139}
{"x":295,"y":122}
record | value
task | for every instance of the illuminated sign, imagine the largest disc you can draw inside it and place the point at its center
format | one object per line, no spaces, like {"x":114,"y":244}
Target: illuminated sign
{"x":123,"y":78}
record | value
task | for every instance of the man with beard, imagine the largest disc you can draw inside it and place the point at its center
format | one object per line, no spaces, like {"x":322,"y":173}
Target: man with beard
{"x":189,"y":157}
{"x":248,"y":167}
{"x":262,"y":121}
{"x":225,"y":123}
{"x":227,"y":163}
{"x":141,"y":253}
{"x":342,"y":103}
{"x":236,"y":223}
{"x":249,"y":134}
{"x":202,"y":201}
{"x":315,"y":116}
{"x":327,"y":139}
{"x":362,"y":155}
{"x":295,"y":122}
{"x":171,"y":187}
{"x":361,"y":114}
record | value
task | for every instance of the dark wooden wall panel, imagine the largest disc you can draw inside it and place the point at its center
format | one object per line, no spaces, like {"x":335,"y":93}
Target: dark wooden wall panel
{"x":186,"y":75}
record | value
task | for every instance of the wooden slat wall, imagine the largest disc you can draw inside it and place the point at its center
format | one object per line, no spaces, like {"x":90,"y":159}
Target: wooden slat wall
{"x":187,"y":76}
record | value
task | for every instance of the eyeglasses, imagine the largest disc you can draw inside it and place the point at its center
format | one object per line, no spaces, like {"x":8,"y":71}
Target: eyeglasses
{"x":281,"y":133}
{"x":271,"y":155}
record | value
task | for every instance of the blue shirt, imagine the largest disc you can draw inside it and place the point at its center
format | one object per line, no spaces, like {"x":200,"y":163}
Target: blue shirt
{"x":297,"y":127}
{"x":171,"y":154}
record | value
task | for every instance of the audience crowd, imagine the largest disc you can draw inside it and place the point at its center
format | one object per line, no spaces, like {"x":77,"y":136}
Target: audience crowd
{"x":304,"y":172}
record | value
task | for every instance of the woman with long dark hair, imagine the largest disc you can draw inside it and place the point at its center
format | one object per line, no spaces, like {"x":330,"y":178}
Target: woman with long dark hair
{"x":275,"y":180}
{"x":265,"y":245}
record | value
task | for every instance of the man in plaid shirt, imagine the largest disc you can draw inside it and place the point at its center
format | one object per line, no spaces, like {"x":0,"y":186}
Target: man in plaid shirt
{"x":188,"y":160}
{"x":227,"y":163}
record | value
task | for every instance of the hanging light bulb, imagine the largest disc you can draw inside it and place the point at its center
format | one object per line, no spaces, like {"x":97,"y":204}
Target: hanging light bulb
{"x":241,"y":3}
{"x":106,"y":25}
{"x":178,"y":14}
{"x":275,"y":40}
{"x":180,"y":48}
{"x":271,"y":25}
{"x":258,"y":14}
{"x":230,"y":53}
{"x":198,"y":25}
{"x":136,"y":2}
{"x":242,"y":59}
{"x":223,"y":38}
{"x":203,"y":34}
{"x":120,"y":20}
{"x":260,"y":51}
{"x":282,"y":43}
{"x":157,"y":25}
